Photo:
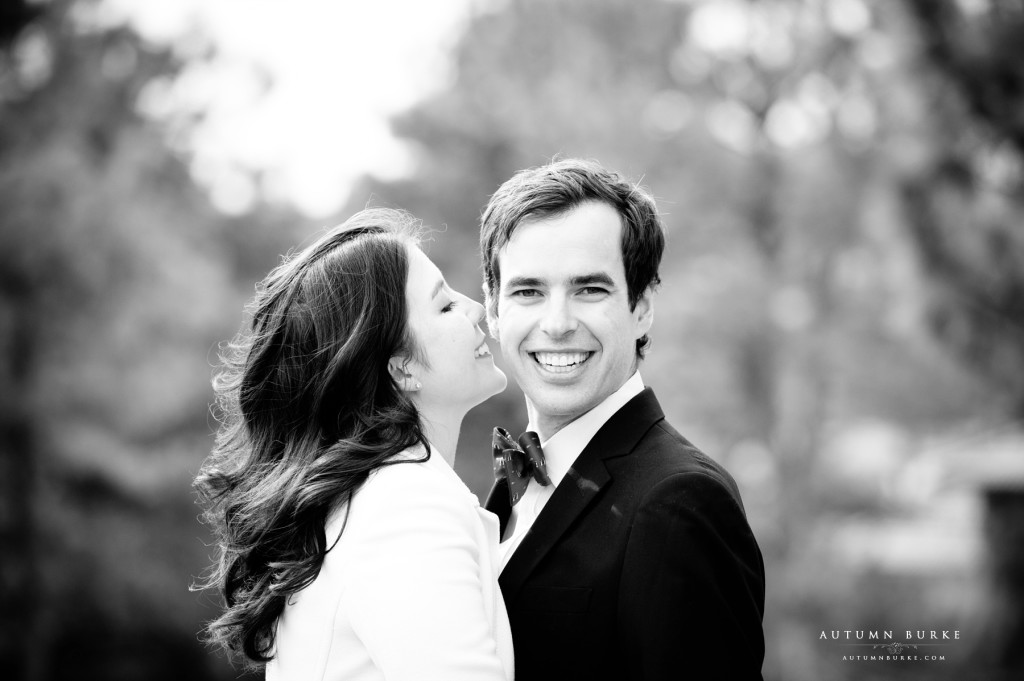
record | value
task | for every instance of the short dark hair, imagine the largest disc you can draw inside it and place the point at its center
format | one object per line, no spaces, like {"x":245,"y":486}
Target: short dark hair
{"x":557,"y":188}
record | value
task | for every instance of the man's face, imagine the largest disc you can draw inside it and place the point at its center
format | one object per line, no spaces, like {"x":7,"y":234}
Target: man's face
{"x":562,"y":315}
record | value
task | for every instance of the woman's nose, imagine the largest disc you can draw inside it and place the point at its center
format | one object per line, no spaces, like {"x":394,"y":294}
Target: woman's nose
{"x":474,"y":310}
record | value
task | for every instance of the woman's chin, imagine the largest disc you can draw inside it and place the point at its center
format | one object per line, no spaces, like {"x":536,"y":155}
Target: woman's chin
{"x":501,"y":382}
{"x":494,"y":384}
{"x":467,"y":396}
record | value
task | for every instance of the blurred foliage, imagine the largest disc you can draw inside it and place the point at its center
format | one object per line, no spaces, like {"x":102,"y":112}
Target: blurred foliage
{"x":116,"y":275}
{"x":967,"y":209}
{"x":842,"y":299}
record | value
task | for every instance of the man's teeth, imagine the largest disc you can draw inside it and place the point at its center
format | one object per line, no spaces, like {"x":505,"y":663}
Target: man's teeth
{"x":561,"y":359}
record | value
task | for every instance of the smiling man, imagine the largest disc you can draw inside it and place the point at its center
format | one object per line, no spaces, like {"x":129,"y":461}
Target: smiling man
{"x":629,"y":555}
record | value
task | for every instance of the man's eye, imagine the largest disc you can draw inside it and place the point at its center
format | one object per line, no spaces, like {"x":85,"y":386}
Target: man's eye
{"x":593,"y":291}
{"x":526,"y":293}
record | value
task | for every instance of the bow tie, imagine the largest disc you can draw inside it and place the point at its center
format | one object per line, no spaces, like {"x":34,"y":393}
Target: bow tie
{"x":518,"y":462}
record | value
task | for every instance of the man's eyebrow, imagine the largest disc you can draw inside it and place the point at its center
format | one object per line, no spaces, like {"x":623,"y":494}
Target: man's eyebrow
{"x":591,"y":279}
{"x":523,"y":282}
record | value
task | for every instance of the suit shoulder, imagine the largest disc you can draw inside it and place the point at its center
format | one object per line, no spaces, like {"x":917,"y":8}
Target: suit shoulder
{"x":672,"y":452}
{"x":663,"y":453}
{"x":691,"y":489}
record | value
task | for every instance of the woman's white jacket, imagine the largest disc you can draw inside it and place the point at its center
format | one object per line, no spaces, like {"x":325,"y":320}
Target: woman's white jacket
{"x":409,"y":591}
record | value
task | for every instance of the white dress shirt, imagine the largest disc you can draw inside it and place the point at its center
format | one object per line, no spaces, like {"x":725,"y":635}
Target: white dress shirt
{"x":409,"y":592}
{"x":560,"y":452}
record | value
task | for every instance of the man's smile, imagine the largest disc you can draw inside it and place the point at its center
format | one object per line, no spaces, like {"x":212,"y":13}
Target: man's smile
{"x":561,"y":362}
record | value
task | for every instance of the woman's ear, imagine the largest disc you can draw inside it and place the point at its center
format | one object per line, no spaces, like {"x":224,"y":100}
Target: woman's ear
{"x":398,"y":367}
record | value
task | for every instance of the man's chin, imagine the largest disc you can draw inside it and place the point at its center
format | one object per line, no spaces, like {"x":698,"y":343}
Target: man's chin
{"x":560,"y":403}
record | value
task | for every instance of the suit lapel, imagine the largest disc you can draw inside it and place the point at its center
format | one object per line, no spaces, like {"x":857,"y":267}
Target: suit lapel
{"x":580,"y":487}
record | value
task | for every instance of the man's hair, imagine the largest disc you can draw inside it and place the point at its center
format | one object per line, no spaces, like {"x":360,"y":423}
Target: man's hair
{"x":557,"y":188}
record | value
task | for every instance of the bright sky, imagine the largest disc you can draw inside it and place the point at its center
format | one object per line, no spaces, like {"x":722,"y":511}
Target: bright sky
{"x":300,"y":90}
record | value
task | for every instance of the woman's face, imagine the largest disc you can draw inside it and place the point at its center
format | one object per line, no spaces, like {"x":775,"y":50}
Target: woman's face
{"x":454,"y":366}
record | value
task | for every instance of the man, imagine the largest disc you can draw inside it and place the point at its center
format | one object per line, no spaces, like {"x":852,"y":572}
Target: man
{"x":636,"y":561}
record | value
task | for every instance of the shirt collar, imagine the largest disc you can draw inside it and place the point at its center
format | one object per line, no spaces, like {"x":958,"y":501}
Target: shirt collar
{"x":562,"y":448}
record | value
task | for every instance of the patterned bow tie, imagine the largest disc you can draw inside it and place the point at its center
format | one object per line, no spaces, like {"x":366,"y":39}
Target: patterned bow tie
{"x":518,"y":463}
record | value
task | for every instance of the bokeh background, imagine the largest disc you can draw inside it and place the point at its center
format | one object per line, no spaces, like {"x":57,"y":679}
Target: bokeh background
{"x":841,"y":322}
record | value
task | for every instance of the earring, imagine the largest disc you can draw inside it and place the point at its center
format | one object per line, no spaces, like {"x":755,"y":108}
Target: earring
{"x":418,"y":386}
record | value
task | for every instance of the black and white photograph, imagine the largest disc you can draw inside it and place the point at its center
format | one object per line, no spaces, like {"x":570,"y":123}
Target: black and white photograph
{"x":512,"y":340}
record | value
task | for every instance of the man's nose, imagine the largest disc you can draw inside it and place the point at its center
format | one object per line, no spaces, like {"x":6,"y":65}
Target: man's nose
{"x":558,"y":319}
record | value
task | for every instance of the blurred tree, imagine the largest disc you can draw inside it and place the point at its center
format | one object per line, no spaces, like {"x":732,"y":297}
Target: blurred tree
{"x":534,"y":79}
{"x":966,"y":207}
{"x":116,"y":273}
{"x":18,"y":591}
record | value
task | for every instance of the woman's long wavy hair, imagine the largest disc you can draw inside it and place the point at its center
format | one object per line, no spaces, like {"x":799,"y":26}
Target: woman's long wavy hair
{"x":308,"y":409}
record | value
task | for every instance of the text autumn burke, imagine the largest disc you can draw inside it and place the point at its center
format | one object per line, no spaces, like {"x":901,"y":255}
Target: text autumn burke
{"x":887,"y":635}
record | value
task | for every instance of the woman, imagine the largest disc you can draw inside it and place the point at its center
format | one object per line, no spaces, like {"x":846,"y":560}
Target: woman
{"x":349,"y":548}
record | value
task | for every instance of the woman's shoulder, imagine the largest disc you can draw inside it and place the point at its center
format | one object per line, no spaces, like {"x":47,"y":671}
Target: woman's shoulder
{"x":410,"y":497}
{"x":415,"y":476}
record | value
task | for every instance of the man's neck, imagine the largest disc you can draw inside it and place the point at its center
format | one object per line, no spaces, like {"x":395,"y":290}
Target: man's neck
{"x":546,"y":425}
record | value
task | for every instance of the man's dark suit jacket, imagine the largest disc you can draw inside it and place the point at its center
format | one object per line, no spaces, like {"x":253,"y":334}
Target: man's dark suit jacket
{"x":640,"y":566}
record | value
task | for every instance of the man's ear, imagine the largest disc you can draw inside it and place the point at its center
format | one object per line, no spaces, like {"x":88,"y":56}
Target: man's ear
{"x":398,"y":367}
{"x":643,"y":312}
